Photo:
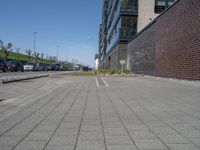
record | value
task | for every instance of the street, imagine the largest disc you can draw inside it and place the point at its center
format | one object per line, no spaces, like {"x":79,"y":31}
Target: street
{"x":99,"y":113}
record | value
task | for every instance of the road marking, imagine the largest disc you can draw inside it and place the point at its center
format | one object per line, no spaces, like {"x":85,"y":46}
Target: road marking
{"x":97,"y":83}
{"x":104,"y":81}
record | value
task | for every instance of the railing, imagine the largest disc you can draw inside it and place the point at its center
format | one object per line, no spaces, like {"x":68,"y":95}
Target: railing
{"x":129,"y":8}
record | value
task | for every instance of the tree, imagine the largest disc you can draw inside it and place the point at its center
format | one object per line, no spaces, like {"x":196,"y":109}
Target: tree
{"x":5,"y":49}
{"x":37,"y":56}
{"x":28,"y":52}
{"x":17,"y":50}
{"x":42,"y":56}
{"x":53,"y":58}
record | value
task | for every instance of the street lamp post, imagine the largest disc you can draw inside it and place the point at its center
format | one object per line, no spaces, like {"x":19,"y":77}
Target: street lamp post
{"x":57,"y":52}
{"x":34,"y":33}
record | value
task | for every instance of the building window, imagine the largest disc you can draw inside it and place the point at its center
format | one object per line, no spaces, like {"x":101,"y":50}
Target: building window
{"x":129,"y":21}
{"x":161,"y":5}
{"x":130,"y":2}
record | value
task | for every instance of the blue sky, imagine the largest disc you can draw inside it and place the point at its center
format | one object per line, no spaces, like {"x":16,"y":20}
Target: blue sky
{"x":71,"y":24}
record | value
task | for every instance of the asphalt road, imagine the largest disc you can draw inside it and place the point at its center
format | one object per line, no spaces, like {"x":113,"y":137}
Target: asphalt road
{"x":89,"y":113}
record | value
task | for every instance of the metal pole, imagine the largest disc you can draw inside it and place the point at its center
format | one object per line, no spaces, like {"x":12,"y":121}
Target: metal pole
{"x":57,"y":52}
{"x":122,"y":68}
{"x":67,"y":55}
{"x":34,"y":33}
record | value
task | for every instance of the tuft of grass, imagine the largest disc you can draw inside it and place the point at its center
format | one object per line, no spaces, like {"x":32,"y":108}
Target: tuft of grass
{"x":111,"y":71}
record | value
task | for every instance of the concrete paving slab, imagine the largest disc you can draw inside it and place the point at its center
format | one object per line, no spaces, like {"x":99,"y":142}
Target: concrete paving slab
{"x":73,"y":112}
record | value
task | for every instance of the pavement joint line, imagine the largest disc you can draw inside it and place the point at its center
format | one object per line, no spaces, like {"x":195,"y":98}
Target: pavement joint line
{"x":158,"y":119}
{"x":174,"y":108}
{"x":27,"y":100}
{"x":29,"y":105}
{"x":30,"y":113}
{"x":102,"y":126}
{"x":104,"y":81}
{"x":83,"y":112}
{"x":177,"y":81}
{"x":97,"y":83}
{"x":168,"y":123}
{"x":114,"y":108}
{"x":22,"y":93}
{"x":43,"y":119}
{"x":75,"y":99}
{"x":170,"y":103}
{"x":128,"y":106}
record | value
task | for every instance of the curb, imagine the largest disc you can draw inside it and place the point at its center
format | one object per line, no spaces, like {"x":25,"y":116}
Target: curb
{"x":20,"y":78}
{"x":193,"y":83}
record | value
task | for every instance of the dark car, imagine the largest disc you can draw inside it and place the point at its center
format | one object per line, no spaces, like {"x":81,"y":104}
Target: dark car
{"x":15,"y":66}
{"x":54,"y":67}
{"x":41,"y":67}
{"x":3,"y":65}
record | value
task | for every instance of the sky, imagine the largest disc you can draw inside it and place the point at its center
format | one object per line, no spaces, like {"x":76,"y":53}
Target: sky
{"x":70,"y":25}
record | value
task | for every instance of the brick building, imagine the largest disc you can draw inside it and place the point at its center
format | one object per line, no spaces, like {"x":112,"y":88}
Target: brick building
{"x":121,"y":21}
{"x":170,"y":45}
{"x":141,"y":51}
{"x":177,"y":51}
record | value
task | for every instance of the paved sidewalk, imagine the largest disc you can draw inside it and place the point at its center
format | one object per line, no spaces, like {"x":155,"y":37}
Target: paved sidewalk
{"x":85,"y":113}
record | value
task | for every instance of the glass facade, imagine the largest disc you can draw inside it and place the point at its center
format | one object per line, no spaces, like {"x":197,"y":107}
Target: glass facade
{"x":119,"y":23}
{"x":103,"y":30}
{"x":122,"y":21}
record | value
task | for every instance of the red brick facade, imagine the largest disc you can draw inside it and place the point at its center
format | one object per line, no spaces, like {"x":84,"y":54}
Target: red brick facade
{"x":177,"y":49}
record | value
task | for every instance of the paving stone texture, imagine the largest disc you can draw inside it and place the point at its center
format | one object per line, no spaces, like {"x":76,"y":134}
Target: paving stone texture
{"x":76,"y":113}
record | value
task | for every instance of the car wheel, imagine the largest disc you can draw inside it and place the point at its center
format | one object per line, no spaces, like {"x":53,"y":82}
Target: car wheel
{"x":5,"y":69}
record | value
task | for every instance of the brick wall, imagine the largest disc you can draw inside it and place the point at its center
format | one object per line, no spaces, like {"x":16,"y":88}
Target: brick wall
{"x":111,"y":61}
{"x":140,"y":51}
{"x":177,"y":51}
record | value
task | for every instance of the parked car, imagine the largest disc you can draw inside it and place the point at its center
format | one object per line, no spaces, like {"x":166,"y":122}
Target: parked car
{"x":54,"y":67}
{"x":15,"y":66}
{"x":3,"y":65}
{"x":41,"y":67}
{"x":30,"y":66}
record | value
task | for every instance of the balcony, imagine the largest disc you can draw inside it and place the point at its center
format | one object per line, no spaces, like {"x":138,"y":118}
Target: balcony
{"x":126,"y":33}
{"x":128,"y":9}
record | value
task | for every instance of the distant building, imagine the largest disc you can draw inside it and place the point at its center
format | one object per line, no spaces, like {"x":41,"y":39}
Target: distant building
{"x":122,"y":20}
{"x":96,"y":62}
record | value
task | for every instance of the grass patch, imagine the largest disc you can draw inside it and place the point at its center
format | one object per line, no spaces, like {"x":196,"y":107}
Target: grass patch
{"x":111,"y":71}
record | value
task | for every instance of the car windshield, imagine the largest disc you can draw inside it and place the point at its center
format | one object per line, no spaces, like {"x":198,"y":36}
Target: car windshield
{"x":29,"y":63}
{"x":11,"y":62}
